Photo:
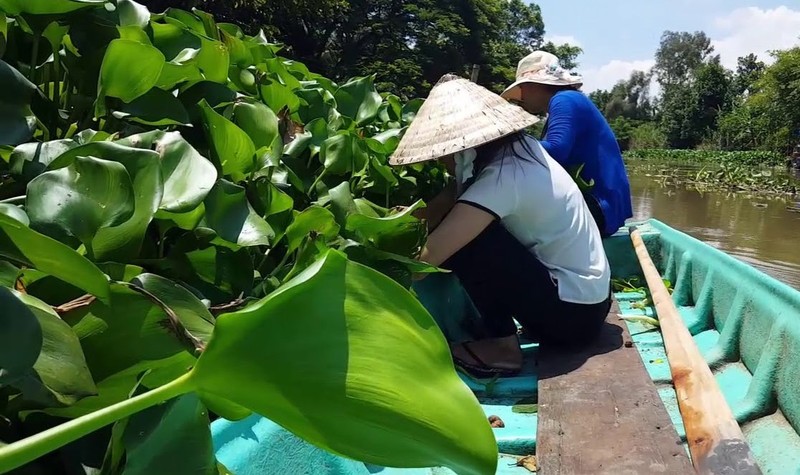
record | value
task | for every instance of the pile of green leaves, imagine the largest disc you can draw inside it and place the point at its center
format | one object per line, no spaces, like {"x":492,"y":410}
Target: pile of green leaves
{"x":741,"y":158}
{"x":192,"y":224}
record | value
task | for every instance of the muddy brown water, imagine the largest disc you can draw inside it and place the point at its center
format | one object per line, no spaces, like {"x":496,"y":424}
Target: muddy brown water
{"x":762,"y":231}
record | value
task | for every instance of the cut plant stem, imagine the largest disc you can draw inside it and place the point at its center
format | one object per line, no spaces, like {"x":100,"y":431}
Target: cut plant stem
{"x":29,"y":449}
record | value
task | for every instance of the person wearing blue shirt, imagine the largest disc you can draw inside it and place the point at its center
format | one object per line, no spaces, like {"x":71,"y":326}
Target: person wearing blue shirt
{"x":576,"y":135}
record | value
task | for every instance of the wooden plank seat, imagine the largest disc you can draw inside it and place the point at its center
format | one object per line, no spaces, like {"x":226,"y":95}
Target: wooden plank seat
{"x":600,"y":413}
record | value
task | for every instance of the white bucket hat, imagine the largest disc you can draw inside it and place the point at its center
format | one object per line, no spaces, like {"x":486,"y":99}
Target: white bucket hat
{"x":458,"y":115}
{"x":541,"y":67}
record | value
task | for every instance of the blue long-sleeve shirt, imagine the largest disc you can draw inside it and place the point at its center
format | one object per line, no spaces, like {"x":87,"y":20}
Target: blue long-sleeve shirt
{"x":577,"y":133}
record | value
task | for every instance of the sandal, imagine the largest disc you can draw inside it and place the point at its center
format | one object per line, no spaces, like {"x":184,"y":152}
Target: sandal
{"x":484,"y":370}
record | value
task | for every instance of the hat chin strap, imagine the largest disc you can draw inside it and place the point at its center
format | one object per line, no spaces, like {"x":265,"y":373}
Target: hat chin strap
{"x":465,"y":165}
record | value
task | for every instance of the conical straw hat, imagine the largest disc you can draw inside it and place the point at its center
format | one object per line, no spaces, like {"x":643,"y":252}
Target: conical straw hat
{"x":456,"y":116}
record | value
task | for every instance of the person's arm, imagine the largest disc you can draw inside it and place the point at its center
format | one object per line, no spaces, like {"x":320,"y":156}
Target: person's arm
{"x":561,"y":130}
{"x":491,"y":197}
{"x":437,"y":209}
{"x":463,"y":224}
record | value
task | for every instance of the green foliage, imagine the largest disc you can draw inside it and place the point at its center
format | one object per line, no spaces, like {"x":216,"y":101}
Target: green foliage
{"x":190,"y":217}
{"x":647,"y":136}
{"x":679,"y":55}
{"x":704,"y":105}
{"x":768,"y":159}
{"x":406,"y":44}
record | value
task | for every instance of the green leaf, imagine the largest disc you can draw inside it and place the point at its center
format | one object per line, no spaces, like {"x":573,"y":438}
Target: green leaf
{"x":124,"y":241}
{"x":3,"y":33}
{"x":46,"y":7}
{"x":175,"y":73}
{"x":191,"y":312}
{"x":337,"y":154}
{"x":399,"y":233}
{"x":134,"y":33}
{"x":54,"y":33}
{"x":213,"y":60}
{"x":313,"y":219}
{"x":173,"y":438}
{"x":60,"y":375}
{"x":175,"y":41}
{"x":26,"y":246}
{"x":14,"y":211}
{"x":120,"y":272}
{"x":127,"y":78}
{"x":358,"y":99}
{"x":220,"y":274}
{"x":188,"y":176}
{"x":17,"y":96}
{"x":225,"y":409}
{"x":233,"y":149}
{"x":188,"y":19}
{"x":31,"y":159}
{"x":312,"y":104}
{"x":229,"y":214}
{"x":156,"y":107}
{"x":375,"y":353}
{"x":21,"y":337}
{"x":129,"y":330}
{"x":342,"y":203}
{"x":17,"y":124}
{"x":277,"y":96}
{"x":132,"y":13}
{"x":8,"y":274}
{"x":269,"y":200}
{"x":238,"y":51}
{"x":188,"y":220}
{"x":79,"y":199}
{"x":257,"y":120}
{"x":261,"y":125}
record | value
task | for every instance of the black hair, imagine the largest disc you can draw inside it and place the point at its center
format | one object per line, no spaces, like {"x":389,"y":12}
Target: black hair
{"x":500,"y":149}
{"x":505,"y":147}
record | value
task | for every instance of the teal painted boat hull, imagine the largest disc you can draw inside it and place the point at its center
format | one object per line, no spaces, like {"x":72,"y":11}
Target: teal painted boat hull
{"x":746,"y":323}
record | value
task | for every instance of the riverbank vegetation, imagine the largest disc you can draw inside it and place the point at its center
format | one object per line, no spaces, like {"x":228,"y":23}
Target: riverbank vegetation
{"x":711,"y":157}
{"x":703,"y":105}
{"x":710,"y":176}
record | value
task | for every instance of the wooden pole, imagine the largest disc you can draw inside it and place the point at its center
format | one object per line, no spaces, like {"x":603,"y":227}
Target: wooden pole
{"x":715,"y":440}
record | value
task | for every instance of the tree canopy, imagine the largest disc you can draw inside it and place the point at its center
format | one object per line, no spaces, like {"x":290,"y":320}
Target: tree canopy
{"x":701,"y":103}
{"x":407,"y":44}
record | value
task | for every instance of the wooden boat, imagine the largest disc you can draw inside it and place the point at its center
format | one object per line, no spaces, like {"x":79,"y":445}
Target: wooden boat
{"x":612,"y":408}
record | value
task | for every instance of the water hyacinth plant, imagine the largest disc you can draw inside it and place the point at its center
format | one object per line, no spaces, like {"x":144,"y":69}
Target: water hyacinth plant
{"x":193,"y":226}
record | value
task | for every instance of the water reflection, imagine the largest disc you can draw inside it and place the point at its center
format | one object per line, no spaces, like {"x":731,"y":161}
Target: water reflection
{"x":760,"y":231}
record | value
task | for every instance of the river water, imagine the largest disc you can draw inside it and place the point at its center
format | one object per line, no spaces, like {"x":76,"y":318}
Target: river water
{"x":764,"y":232}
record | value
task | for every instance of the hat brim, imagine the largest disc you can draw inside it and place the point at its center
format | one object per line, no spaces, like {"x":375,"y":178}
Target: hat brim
{"x":514,"y":91}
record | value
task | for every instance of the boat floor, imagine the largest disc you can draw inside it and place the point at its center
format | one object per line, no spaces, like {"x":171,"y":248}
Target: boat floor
{"x":601,"y":413}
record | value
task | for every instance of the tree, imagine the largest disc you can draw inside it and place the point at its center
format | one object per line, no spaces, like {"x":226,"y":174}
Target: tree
{"x":567,"y":54}
{"x":679,"y":55}
{"x":629,"y":98}
{"x":712,"y":87}
{"x":748,"y":71}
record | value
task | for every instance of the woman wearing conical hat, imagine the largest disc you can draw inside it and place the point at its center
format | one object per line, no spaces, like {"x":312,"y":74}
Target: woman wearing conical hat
{"x":513,"y":227}
{"x":576,"y":134}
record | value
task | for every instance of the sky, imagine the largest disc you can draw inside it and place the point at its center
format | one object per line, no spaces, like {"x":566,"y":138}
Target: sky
{"x":621,"y":36}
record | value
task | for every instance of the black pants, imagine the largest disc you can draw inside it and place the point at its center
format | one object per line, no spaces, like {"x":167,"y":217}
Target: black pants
{"x":505,"y":281}
{"x":597,"y":214}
